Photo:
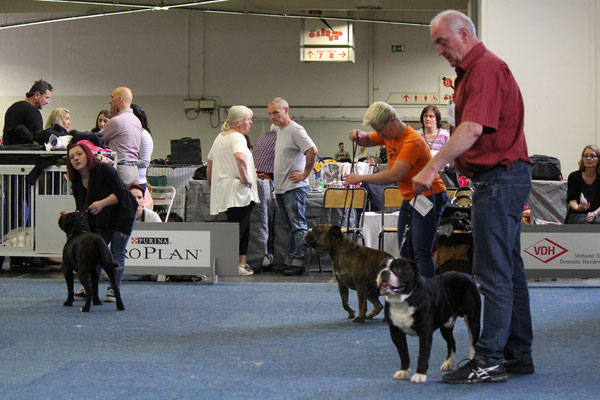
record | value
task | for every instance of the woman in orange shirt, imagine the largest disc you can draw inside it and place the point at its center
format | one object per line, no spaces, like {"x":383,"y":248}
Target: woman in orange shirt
{"x":407,"y":154}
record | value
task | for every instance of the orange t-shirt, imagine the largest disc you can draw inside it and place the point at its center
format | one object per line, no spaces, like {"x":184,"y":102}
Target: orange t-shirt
{"x":410,"y":147}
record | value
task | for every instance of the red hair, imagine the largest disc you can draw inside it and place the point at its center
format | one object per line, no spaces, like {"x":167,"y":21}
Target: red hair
{"x":92,"y":161}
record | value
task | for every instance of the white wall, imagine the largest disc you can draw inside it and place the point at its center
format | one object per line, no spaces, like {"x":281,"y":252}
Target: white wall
{"x":551,"y":48}
{"x":165,"y":57}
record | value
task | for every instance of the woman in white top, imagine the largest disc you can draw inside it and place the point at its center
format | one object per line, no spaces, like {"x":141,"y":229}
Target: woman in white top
{"x":146,"y":145}
{"x":230,"y":171}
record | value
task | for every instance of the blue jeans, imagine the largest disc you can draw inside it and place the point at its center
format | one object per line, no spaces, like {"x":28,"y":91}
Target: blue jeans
{"x":498,"y":200}
{"x":423,"y":231}
{"x":292,"y":205}
{"x":118,"y":244}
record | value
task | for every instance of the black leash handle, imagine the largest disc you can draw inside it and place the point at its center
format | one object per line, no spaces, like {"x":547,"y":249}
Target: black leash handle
{"x":354,"y":148}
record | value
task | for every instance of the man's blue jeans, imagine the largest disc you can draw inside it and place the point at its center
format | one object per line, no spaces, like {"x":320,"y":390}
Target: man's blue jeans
{"x":498,"y":200}
{"x":292,"y":206}
{"x":423,"y":231}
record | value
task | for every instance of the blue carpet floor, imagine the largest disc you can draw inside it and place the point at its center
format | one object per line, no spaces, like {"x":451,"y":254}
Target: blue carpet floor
{"x":260,"y":341}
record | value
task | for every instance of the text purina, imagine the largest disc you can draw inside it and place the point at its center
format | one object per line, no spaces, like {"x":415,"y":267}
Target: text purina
{"x":152,"y":240}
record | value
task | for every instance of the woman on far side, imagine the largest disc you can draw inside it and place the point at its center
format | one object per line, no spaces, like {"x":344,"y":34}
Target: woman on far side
{"x":146,"y":145}
{"x":101,"y":120}
{"x":583,"y":189}
{"x":432,"y":131}
{"x":232,"y":176}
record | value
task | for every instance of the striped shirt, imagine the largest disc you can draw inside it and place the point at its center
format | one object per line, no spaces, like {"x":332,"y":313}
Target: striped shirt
{"x":264,"y":152}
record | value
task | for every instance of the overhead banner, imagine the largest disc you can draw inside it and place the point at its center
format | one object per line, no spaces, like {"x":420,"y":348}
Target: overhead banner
{"x":327,"y":41}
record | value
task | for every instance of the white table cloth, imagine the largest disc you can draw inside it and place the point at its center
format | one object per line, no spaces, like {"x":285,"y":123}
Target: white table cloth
{"x":372,"y":226}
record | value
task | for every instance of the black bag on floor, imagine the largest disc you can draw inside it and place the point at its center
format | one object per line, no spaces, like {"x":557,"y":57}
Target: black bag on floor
{"x":545,"y":168}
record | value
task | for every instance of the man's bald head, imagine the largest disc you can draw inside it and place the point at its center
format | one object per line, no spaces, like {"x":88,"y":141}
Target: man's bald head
{"x":121,"y":99}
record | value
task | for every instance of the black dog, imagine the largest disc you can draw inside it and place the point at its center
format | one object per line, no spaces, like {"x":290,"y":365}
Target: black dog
{"x":418,"y":306}
{"x":83,"y":252}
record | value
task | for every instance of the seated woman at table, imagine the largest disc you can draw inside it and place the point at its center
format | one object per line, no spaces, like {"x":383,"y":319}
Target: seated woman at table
{"x":583,"y":189}
{"x":407,"y":155}
{"x":232,"y":176}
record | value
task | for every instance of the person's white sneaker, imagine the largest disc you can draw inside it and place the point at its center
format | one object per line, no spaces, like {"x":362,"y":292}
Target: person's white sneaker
{"x":266,"y":261}
{"x":110,"y":295}
{"x":79,"y":295}
{"x":245,"y":270}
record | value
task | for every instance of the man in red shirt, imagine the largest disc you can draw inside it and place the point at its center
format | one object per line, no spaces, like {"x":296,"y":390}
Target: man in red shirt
{"x":487,"y":143}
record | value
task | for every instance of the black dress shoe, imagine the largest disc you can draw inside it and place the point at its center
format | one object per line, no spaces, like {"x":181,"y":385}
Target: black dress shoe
{"x":519,"y":366}
{"x":278,"y":269}
{"x":26,"y":262}
{"x":293,"y":271}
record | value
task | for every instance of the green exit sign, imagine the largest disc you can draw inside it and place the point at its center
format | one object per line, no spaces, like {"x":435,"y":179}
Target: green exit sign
{"x":398,"y":48}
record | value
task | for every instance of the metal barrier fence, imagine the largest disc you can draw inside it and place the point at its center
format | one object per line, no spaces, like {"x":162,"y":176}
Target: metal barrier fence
{"x":177,"y":176}
{"x":29,"y":212}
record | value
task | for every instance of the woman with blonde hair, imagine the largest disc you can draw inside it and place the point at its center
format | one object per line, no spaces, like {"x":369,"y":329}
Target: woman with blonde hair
{"x":59,"y":116}
{"x":583,"y":189}
{"x":231,"y":173}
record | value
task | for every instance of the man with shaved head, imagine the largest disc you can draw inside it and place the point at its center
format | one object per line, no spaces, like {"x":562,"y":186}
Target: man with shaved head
{"x":487,"y":144}
{"x":123,"y":134}
{"x":295,"y":155}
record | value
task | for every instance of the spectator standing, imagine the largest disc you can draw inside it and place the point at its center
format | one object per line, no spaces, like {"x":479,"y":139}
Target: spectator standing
{"x":295,"y":156}
{"x":232,"y":176}
{"x":26,"y":113}
{"x":487,"y":144}
{"x":583,"y":189}
{"x":123,"y":134}
{"x":146,"y":145}
{"x":22,"y":122}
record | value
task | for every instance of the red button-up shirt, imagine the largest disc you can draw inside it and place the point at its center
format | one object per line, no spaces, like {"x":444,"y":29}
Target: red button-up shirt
{"x":486,"y":93}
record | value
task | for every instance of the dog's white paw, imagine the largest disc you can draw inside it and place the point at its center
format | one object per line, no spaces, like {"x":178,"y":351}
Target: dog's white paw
{"x":402,"y":374}
{"x":447,"y":365}
{"x":418,"y":378}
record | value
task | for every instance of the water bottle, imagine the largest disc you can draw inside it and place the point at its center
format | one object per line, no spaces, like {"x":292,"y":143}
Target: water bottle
{"x":321,"y":183}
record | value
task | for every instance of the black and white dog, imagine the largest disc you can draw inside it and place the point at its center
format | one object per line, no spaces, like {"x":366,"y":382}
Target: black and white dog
{"x":418,"y":306}
{"x":83,"y":252}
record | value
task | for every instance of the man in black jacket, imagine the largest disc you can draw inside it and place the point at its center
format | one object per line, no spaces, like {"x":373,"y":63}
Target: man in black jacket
{"x":26,"y":113}
{"x":21,"y":122}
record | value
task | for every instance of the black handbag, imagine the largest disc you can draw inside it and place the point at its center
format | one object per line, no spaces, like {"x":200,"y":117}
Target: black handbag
{"x":545,"y":168}
{"x":186,"y":151}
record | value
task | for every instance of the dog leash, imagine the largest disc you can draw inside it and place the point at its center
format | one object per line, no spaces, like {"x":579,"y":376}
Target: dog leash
{"x":349,"y":209}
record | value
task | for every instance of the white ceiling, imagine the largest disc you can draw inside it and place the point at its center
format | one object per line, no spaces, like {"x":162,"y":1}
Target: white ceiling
{"x":410,"y":11}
